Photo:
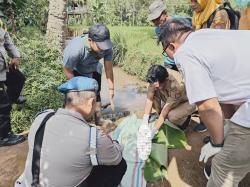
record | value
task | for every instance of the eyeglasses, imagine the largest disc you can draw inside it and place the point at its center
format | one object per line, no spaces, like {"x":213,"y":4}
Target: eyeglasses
{"x":164,"y":49}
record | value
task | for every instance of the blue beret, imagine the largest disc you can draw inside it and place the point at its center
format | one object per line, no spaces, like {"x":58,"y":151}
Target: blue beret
{"x":79,"y":84}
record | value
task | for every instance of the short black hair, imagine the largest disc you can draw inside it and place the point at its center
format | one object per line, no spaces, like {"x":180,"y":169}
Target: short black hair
{"x":157,"y":73}
{"x":172,"y":30}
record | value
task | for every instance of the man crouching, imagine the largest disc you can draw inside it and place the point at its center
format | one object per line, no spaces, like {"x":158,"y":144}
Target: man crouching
{"x":164,"y":90}
{"x":65,"y":150}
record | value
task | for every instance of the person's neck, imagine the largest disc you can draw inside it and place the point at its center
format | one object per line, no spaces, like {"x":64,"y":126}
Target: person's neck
{"x":76,"y":109}
{"x":184,"y":37}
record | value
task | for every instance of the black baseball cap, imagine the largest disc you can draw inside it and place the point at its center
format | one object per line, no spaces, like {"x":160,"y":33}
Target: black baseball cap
{"x":100,"y":34}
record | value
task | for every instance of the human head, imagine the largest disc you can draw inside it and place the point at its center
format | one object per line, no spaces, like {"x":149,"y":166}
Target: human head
{"x":172,"y":35}
{"x":80,"y":95}
{"x":157,"y":13}
{"x":203,"y":9}
{"x":157,"y":75}
{"x":99,"y":38}
{"x":200,"y":5}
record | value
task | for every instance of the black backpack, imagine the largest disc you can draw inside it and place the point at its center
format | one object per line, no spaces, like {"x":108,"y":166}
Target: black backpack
{"x":234,"y":16}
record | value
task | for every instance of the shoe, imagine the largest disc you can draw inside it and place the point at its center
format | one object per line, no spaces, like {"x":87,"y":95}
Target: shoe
{"x":207,"y":171}
{"x":20,"y":100}
{"x":185,"y":123}
{"x":11,"y":139}
{"x":200,"y":128}
{"x":144,"y":142}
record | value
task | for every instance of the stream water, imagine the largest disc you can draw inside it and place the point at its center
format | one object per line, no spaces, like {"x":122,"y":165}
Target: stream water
{"x":130,"y":93}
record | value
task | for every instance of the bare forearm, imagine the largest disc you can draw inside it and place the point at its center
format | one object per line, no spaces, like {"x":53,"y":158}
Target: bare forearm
{"x":69,"y":73}
{"x":212,"y":116}
{"x":163,"y":116}
{"x":109,"y":74}
{"x":148,"y":106}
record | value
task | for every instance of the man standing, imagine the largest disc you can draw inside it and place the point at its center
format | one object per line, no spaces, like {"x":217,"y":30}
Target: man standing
{"x":217,"y":80}
{"x":14,"y":87}
{"x":81,"y":58}
{"x":70,"y":151}
{"x":158,"y":16}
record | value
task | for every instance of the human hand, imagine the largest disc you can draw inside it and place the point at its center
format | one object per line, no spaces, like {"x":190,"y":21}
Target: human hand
{"x":209,"y":150}
{"x":15,"y":62}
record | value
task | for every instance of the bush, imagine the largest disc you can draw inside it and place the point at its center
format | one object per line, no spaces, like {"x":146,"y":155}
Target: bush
{"x":120,"y":48}
{"x":42,"y":67}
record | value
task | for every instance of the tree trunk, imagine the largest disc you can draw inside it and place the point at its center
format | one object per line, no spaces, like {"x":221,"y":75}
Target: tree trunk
{"x":57,"y":23}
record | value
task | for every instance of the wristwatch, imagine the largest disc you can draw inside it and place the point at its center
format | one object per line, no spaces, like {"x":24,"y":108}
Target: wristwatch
{"x":216,"y":145}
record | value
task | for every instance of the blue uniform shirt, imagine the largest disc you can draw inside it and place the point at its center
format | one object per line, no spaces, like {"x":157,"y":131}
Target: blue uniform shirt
{"x":80,"y":57}
{"x":168,"y":60}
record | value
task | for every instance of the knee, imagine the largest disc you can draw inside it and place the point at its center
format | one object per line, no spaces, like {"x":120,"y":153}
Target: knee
{"x":172,"y":117}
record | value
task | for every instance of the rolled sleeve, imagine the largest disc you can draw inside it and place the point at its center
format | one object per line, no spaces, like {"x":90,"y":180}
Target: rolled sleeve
{"x":10,"y":47}
{"x":108,"y":55}
{"x":74,"y":53}
{"x":109,"y":152}
{"x":198,"y":82}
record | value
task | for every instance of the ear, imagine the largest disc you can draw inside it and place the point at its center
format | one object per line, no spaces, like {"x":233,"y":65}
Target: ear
{"x":91,"y":102}
{"x":172,"y":46}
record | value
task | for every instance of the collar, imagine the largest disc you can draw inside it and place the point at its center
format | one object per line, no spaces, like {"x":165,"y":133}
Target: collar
{"x":85,"y":42}
{"x":71,"y":113}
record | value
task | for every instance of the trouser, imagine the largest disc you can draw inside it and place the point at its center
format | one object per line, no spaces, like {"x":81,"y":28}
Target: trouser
{"x":5,"y":108}
{"x":105,"y":176}
{"x":232,"y":163}
{"x":14,"y":83}
{"x":98,"y":77}
{"x":178,"y":114}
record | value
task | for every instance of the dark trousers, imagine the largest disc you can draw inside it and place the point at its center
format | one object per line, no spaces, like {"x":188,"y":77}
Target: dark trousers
{"x":5,"y":108}
{"x":106,"y":176}
{"x":14,"y":83}
{"x":98,"y":77}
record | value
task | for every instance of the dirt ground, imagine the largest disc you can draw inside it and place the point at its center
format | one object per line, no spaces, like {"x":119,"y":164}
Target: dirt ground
{"x":184,"y":169}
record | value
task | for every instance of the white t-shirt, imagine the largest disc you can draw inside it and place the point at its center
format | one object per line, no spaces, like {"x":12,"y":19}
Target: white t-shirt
{"x":216,"y":63}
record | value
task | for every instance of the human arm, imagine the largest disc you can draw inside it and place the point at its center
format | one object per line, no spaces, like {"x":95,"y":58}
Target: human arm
{"x":109,"y":152}
{"x":110,"y":77}
{"x":72,"y":56}
{"x":11,"y":50}
{"x":108,"y":65}
{"x":212,"y":116}
{"x":201,"y":91}
{"x":68,"y":72}
{"x":149,"y":100}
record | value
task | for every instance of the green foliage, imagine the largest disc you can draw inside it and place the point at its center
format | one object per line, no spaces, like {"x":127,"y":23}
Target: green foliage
{"x":34,"y":13}
{"x":142,"y":50}
{"x":120,"y":48}
{"x":98,"y":11}
{"x":43,"y":69}
{"x":8,"y":11}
